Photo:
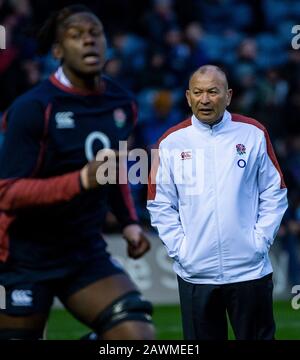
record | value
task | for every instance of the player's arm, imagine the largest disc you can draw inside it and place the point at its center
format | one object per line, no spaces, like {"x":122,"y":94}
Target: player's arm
{"x":272,"y":194}
{"x":163,"y":203}
{"x":123,"y":208}
{"x":122,"y":205}
{"x":20,"y":158}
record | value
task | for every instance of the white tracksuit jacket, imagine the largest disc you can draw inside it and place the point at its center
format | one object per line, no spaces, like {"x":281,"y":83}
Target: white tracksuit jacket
{"x":218,"y":200}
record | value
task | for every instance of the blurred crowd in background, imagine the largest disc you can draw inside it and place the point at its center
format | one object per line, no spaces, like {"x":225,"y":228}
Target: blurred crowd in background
{"x":154,"y":45}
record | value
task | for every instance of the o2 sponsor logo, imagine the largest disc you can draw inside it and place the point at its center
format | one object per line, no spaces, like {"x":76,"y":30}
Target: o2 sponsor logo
{"x":241,"y":163}
{"x":89,"y":142}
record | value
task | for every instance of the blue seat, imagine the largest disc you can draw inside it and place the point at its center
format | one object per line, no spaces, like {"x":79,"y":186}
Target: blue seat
{"x":213,"y":46}
{"x":275,"y":11}
{"x":269,"y":43}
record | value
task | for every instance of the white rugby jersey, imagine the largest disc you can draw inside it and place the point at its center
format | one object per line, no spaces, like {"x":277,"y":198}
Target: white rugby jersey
{"x":217,"y":196}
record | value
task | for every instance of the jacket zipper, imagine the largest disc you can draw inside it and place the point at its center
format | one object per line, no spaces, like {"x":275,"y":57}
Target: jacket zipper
{"x":216,"y":205}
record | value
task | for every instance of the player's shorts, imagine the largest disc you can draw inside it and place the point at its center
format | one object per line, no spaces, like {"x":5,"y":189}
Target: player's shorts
{"x":28,"y":291}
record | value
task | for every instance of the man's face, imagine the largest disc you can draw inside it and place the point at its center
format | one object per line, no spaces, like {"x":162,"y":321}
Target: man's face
{"x":82,"y":44}
{"x":208,"y":96}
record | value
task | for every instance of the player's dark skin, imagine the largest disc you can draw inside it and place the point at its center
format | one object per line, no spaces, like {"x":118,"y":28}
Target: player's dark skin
{"x":81,"y":46}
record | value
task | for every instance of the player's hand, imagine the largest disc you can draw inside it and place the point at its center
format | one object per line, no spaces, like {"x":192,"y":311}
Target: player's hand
{"x":137,"y":242}
{"x":100,"y":171}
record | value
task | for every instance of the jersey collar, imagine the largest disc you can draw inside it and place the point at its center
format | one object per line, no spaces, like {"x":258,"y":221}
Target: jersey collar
{"x":60,"y":80}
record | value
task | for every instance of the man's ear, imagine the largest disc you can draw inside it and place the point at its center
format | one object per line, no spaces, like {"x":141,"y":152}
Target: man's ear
{"x":229,"y":96}
{"x":57,"y":51}
{"x":187,"y":95}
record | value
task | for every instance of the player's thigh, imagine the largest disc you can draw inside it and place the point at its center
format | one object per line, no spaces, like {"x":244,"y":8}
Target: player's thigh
{"x":103,"y":296}
{"x":93,"y":286}
{"x":27,"y":327}
{"x":32,"y":321}
{"x":87,"y":303}
{"x":113,"y":308}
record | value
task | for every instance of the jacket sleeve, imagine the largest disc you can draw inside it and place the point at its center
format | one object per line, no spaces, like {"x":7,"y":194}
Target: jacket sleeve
{"x":20,"y":159}
{"x":163,"y":203}
{"x":272,"y":194}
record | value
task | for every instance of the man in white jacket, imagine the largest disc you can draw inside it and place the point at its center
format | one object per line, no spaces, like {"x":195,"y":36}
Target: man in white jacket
{"x":217,"y":196}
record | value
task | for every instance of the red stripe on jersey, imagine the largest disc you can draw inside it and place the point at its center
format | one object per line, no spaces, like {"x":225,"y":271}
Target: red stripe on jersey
{"x":270,"y":150}
{"x":155,"y":161}
{"x":4,"y":122}
{"x":21,"y":193}
{"x":76,"y":91}
{"x":44,"y":139}
{"x":126,"y":193}
{"x":5,"y":221}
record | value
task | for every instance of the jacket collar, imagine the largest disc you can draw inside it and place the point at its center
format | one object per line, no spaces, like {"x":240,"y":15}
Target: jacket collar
{"x":202,"y":126}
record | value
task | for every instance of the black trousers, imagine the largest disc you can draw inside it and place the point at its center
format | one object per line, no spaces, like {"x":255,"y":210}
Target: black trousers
{"x":249,"y":306}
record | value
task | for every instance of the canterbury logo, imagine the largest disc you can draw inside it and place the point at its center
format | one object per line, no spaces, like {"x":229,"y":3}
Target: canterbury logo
{"x":21,"y":298}
{"x":185,"y":155}
{"x":64,"y":120}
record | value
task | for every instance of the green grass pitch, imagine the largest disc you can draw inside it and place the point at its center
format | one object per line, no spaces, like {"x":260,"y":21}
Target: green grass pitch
{"x":167,"y":320}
